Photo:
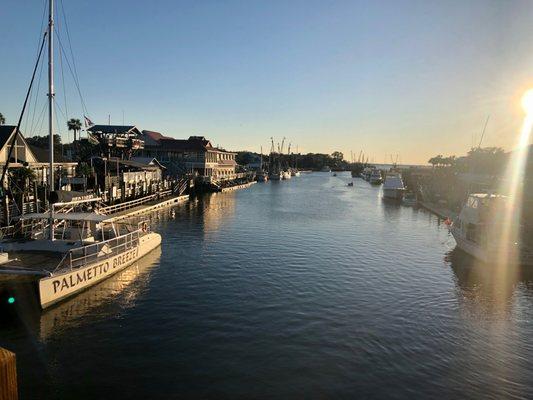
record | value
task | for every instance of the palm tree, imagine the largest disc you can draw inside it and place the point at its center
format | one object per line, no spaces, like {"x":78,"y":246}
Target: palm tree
{"x":2,"y":119}
{"x":74,"y":124}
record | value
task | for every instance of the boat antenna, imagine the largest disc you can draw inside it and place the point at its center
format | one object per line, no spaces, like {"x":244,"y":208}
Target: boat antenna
{"x":483,"y":132}
{"x":51,"y":109}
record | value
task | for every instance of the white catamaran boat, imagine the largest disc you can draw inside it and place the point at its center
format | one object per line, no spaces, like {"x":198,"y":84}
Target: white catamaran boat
{"x":91,"y":247}
{"x":478,"y":227}
{"x":393,"y":187}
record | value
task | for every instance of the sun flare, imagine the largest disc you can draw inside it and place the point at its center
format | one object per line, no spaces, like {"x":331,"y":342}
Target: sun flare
{"x":527,"y":102}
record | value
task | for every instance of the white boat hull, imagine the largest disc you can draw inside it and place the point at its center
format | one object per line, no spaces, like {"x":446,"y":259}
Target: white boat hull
{"x":482,"y":254}
{"x":62,"y":285}
{"x":393,"y":194}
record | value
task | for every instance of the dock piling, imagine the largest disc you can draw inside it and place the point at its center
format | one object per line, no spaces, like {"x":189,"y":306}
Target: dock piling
{"x":8,"y":375}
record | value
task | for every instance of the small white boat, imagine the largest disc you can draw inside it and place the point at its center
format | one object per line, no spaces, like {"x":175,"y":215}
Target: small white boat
{"x":286,"y":175}
{"x":375,"y":177}
{"x":326,"y":168}
{"x":393,"y":187}
{"x":365,"y":174}
{"x":477,"y":230}
{"x":295,"y":172}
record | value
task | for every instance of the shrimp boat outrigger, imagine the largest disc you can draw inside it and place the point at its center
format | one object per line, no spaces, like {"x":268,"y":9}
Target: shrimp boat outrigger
{"x":86,"y":247}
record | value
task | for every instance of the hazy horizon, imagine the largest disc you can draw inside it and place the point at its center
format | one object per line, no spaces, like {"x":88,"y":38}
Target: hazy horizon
{"x":411,"y":78}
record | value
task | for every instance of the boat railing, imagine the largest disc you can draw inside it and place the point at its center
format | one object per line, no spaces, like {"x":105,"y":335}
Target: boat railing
{"x":92,"y":253}
{"x":7,"y":231}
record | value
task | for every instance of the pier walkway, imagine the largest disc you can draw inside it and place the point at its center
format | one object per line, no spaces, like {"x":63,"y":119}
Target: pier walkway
{"x":131,"y":209}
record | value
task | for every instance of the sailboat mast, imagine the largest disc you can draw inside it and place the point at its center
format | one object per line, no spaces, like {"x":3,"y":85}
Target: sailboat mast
{"x":51,"y":108}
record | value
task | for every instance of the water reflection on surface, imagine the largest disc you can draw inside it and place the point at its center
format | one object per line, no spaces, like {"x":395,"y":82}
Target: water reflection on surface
{"x":108,"y":297}
{"x":299,"y":289}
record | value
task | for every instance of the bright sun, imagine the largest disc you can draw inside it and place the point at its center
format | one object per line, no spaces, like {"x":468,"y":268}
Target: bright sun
{"x":527,"y":101}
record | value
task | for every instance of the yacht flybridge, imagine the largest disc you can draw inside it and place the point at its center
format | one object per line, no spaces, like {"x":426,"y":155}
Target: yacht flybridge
{"x":477,"y":230}
{"x":87,"y":247}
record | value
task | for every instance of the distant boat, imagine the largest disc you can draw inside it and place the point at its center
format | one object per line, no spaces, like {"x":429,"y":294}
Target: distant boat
{"x":326,"y":168}
{"x":295,"y":172}
{"x":261,"y":176}
{"x":393,"y":187}
{"x":375,"y":177}
{"x":275,"y":176}
{"x":286,"y":175}
{"x":365,"y":174}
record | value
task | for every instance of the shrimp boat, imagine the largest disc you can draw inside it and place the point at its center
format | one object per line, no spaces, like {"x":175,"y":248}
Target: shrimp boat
{"x":83,"y":247}
{"x":86,"y":248}
{"x":477,"y":230}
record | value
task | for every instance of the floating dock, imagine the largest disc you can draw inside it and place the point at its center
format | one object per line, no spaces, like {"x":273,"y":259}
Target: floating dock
{"x":237,"y":187}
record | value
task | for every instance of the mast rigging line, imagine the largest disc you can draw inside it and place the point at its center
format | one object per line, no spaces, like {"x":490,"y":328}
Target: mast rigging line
{"x":76,"y":82}
{"x":17,"y":130}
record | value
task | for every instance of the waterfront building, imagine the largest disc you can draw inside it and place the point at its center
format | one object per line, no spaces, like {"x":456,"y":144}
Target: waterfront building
{"x":121,"y":180}
{"x":122,"y":141}
{"x":27,"y":180}
{"x":195,"y":155}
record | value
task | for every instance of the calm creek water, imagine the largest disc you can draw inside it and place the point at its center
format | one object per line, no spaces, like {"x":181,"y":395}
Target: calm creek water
{"x":298,"y":289}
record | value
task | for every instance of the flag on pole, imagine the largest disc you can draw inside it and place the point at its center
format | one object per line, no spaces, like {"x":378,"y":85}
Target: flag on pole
{"x":88,"y":122}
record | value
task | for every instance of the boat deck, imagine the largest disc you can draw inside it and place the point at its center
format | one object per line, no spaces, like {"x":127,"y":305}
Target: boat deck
{"x":29,"y":264}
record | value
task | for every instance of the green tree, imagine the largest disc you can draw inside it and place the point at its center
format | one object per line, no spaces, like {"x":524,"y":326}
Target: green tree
{"x":74,"y":124}
{"x":2,"y":119}
{"x":84,"y":169}
{"x":337,"y":156}
{"x":22,"y":178}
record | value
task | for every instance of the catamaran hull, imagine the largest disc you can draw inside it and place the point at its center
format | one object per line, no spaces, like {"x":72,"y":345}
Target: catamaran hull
{"x":60,"y":286}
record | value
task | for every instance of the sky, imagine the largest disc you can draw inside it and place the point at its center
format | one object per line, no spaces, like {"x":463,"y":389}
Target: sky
{"x":407,"y":79}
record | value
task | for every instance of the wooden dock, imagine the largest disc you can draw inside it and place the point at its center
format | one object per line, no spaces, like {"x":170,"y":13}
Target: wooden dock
{"x":237,"y":187}
{"x":8,"y":375}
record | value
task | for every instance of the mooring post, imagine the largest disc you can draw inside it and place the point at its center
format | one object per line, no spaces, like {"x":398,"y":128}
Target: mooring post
{"x":8,"y":375}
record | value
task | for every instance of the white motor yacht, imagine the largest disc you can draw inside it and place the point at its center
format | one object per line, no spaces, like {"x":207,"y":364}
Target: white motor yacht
{"x":393,"y":187}
{"x":477,"y":230}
